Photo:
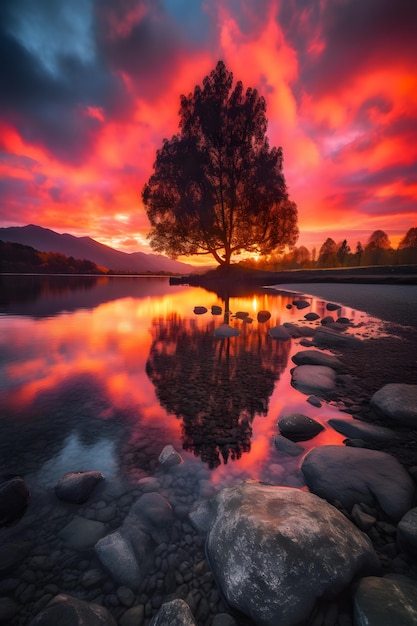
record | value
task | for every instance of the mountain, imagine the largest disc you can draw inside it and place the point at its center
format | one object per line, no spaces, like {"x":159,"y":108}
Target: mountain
{"x":46,"y":240}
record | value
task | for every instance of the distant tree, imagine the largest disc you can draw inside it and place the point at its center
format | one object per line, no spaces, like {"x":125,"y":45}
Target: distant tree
{"x":342,"y":252}
{"x":407,"y":248}
{"x":358,"y":253}
{"x":328,"y":254}
{"x":378,"y":249}
{"x":217,"y":187}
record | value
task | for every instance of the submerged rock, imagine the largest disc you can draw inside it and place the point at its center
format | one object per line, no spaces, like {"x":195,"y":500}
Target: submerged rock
{"x":315,"y":357}
{"x":355,"y":429}
{"x":301,"y":304}
{"x":225,"y":330}
{"x":354,"y":475}
{"x":397,"y":402}
{"x":275,"y":550}
{"x":77,"y":487}
{"x":263,"y":316}
{"x":286,"y":446}
{"x":311,"y":317}
{"x":327,"y":337}
{"x":175,"y":613}
{"x":200,"y":310}
{"x":280,"y":333}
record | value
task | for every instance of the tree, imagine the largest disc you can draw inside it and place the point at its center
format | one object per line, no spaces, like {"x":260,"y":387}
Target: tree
{"x":328,"y":254}
{"x":378,"y":249}
{"x":358,"y":253}
{"x":407,"y":248}
{"x":217,"y":187}
{"x":343,"y":251}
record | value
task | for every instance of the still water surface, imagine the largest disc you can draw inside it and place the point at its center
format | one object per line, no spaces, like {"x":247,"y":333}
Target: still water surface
{"x":93,"y":369}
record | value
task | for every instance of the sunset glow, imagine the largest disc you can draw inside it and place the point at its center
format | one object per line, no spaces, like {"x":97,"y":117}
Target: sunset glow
{"x":89,"y":91}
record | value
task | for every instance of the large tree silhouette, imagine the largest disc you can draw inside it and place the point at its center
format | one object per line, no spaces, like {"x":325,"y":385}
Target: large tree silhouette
{"x":217,"y":187}
{"x":216,"y":386}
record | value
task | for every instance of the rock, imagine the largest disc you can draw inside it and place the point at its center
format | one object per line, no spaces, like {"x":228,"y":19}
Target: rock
{"x":71,"y":611}
{"x":343,"y":320}
{"x":385,"y":602}
{"x":363,"y":520}
{"x":327,"y":337}
{"x":8,"y":609}
{"x":225,"y":330}
{"x":242,"y":315}
{"x":275,"y":550}
{"x":353,"y":475}
{"x":296,"y":331}
{"x":397,"y":402}
{"x":331,"y":306}
{"x":134,"y":616}
{"x":314,"y":401}
{"x":299,"y":427}
{"x":200,"y":310}
{"x":14,"y":500}
{"x":263,"y":316}
{"x":77,"y":487}
{"x":311,"y":317}
{"x":169,"y":457}
{"x":301,"y":304}
{"x":223,"y":619}
{"x":279,"y":332}
{"x":317,"y":379}
{"x":315,"y":357}
{"x":355,"y":429}
{"x":407,"y":532}
{"x":128,"y":552}
{"x":286,"y":446}
{"x":216,"y":310}
{"x":175,"y":613}
{"x":82,"y":533}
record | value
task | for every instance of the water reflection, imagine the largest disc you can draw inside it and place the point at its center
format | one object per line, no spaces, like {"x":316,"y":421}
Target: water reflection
{"x":216,"y":386}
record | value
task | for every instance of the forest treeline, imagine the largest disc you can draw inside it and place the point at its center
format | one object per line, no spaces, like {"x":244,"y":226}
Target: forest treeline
{"x":376,"y":251}
{"x":16,"y":257}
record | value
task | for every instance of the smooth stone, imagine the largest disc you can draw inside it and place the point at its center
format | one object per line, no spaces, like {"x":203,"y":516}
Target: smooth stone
{"x":397,"y":402}
{"x":12,"y":554}
{"x":313,"y":379}
{"x":82,"y":533}
{"x":327,"y":319}
{"x":407,"y":532}
{"x":331,"y":306}
{"x":314,"y":401}
{"x":14,"y":500}
{"x":343,"y":320}
{"x":225,"y":330}
{"x":169,"y":457}
{"x":299,"y":427}
{"x":297,"y":331}
{"x":301,"y":304}
{"x":241,"y":315}
{"x":354,"y":475}
{"x":286,"y":446}
{"x":8,"y":609}
{"x":355,"y":429}
{"x":216,"y":310}
{"x":200,"y":310}
{"x":77,"y":487}
{"x":275,"y":550}
{"x":175,"y":613}
{"x":118,"y":557}
{"x":385,"y":602}
{"x":69,"y":611}
{"x":326,"y":337}
{"x":263,"y":316}
{"x":311,"y":317}
{"x":315,"y":357}
{"x":134,"y":616}
{"x":223,"y":619}
{"x":279,"y":332}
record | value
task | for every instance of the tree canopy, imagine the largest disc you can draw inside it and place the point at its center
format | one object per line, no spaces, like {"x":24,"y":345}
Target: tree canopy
{"x":217,"y":186}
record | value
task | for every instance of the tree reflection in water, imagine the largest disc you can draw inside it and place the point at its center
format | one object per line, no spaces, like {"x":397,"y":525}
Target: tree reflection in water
{"x":215,"y":385}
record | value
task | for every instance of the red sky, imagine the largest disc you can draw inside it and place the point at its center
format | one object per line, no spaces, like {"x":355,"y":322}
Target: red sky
{"x":91,"y":87}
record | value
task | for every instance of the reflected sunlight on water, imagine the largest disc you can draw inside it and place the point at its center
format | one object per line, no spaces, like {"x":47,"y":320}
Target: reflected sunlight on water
{"x":132,"y":353}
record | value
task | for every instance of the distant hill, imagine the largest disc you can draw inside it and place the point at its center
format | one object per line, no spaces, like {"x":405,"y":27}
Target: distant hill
{"x":46,"y":240}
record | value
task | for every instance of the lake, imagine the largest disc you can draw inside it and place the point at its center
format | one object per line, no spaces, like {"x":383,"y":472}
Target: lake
{"x":101,"y":373}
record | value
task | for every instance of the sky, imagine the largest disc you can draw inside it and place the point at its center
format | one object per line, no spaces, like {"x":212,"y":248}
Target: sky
{"x":90,"y":88}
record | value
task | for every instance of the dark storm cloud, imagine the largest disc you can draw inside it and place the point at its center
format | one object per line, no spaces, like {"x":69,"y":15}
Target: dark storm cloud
{"x":355,"y":34}
{"x":46,"y":105}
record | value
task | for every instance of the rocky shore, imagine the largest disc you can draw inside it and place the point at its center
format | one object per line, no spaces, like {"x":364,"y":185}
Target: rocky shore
{"x":174,"y":549}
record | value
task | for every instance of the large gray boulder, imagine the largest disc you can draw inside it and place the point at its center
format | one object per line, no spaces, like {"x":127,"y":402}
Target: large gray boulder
{"x":69,"y":611}
{"x":397,"y":402}
{"x":355,"y":429}
{"x":275,"y":550}
{"x":128,"y":552}
{"x":354,"y":475}
{"x":315,"y":357}
{"x":316,"y":379}
{"x":385,"y":602}
{"x":174,"y":613}
{"x":77,"y":487}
